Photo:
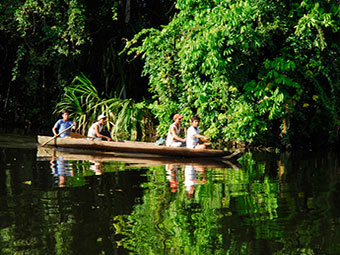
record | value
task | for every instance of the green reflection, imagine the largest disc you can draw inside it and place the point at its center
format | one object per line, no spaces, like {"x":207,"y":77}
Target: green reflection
{"x":73,"y":173}
{"x":200,"y":217}
{"x":261,"y":208}
{"x":270,"y":204}
{"x":40,"y":216}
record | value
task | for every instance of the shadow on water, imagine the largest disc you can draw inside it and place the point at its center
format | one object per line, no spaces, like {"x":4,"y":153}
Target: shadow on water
{"x":8,"y":140}
{"x":62,"y":202}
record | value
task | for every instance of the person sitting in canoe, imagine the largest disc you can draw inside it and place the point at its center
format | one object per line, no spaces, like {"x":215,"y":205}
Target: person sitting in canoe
{"x":173,"y":139}
{"x":193,"y":136}
{"x":63,"y":124}
{"x":97,"y":129}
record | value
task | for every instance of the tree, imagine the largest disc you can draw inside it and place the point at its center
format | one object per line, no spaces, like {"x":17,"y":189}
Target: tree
{"x":43,"y":38}
{"x":256,"y":71}
{"x":45,"y":44}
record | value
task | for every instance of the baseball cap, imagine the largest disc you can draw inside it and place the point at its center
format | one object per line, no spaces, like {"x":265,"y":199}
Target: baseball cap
{"x":101,"y":116}
{"x":176,"y":116}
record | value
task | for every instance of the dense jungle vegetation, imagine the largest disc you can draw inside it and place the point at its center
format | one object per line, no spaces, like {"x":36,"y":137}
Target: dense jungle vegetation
{"x":259,"y":72}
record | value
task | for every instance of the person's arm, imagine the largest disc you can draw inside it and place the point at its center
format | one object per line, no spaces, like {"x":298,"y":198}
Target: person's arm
{"x":98,"y":134}
{"x":55,"y":128}
{"x":175,"y":136}
{"x":74,"y":125}
{"x":205,"y":138}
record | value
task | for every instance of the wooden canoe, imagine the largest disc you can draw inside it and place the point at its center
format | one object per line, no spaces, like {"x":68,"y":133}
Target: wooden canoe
{"x":133,"y":159}
{"x":135,"y":147}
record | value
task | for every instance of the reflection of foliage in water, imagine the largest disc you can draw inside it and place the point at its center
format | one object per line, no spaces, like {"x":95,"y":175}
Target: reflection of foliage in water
{"x":82,"y":169}
{"x":40,"y":218}
{"x":171,"y":223}
{"x":227,"y":215}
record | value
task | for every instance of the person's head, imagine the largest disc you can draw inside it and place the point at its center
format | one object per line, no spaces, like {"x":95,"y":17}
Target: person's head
{"x":101,"y":119}
{"x":195,"y":121}
{"x":178,"y":118}
{"x":65,"y":115}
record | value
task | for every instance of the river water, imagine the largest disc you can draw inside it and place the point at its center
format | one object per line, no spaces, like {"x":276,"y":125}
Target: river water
{"x":52,"y":202}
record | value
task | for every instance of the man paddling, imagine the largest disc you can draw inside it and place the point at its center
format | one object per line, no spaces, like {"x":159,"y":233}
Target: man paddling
{"x":64,"y":124}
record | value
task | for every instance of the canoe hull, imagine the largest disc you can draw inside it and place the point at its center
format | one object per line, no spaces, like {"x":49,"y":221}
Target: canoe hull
{"x":131,"y":147}
{"x":133,"y":159}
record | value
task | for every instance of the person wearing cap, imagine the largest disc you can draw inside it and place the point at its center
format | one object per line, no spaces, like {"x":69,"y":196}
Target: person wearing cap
{"x":193,"y":136}
{"x":97,"y":128}
{"x":173,"y":139}
{"x":63,"y":124}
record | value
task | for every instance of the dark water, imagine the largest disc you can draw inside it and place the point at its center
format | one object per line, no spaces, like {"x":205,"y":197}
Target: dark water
{"x":266,"y":204}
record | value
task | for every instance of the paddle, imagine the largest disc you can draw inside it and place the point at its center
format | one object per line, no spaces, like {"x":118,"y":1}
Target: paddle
{"x":235,"y":155}
{"x":54,"y":137}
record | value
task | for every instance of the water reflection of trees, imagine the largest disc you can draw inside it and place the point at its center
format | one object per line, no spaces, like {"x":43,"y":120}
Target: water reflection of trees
{"x":237,"y":211}
{"x":273,"y":204}
{"x":40,"y":217}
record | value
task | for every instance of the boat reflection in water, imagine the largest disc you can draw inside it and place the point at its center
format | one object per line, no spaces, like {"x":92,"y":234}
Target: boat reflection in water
{"x":136,"y":159}
{"x":192,"y":175}
{"x":185,"y":172}
{"x":96,"y":167}
{"x":173,"y":172}
{"x":191,"y":179}
{"x":61,"y":169}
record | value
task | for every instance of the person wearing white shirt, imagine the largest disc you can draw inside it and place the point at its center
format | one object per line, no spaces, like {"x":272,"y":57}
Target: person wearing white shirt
{"x":173,"y":139}
{"x":193,"y":135}
{"x":96,"y":130}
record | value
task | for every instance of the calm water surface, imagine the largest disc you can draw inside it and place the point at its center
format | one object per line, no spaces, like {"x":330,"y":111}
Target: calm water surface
{"x":55,"y":203}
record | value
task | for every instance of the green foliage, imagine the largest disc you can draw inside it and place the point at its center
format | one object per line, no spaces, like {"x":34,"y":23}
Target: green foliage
{"x":132,"y":120}
{"x":82,"y":100}
{"x":60,"y":25}
{"x":255,"y":71}
{"x":41,"y":38}
{"x":46,"y":43}
{"x":245,"y":66}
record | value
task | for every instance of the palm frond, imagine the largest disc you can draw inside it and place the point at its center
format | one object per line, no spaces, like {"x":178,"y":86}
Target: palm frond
{"x":132,"y":120}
